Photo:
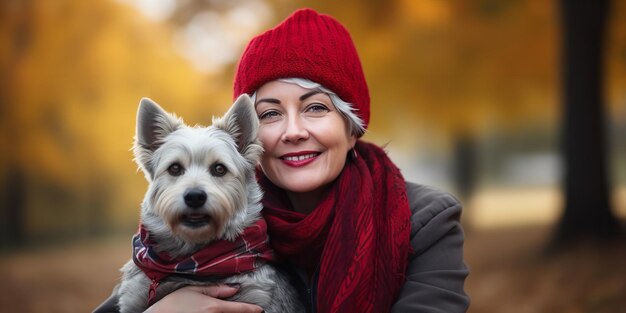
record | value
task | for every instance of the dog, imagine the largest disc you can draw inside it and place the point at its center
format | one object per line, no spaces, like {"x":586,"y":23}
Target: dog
{"x":200,"y":218}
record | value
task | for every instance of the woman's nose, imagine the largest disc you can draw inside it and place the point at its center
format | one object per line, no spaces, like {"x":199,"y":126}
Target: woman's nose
{"x":294,"y":130}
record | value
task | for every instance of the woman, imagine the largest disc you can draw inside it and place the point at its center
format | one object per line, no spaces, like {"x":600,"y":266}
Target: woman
{"x":355,"y":236}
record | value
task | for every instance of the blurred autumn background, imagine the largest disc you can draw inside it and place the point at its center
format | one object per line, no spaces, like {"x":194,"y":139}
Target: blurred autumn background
{"x":518,"y":107}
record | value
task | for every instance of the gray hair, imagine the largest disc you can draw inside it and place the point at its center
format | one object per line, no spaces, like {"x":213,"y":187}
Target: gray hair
{"x":355,"y":123}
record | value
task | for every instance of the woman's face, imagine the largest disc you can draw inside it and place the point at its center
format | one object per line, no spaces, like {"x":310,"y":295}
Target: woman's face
{"x":306,"y":140}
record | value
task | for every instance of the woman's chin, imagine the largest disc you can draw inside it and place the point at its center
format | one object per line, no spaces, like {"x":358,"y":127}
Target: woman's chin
{"x":302,"y":187}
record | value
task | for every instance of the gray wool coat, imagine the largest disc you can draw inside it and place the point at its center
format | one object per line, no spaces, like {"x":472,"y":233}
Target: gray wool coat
{"x":436,"y":272}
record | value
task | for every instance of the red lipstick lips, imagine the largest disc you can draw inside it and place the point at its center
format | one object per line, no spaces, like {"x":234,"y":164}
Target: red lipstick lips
{"x":299,"y":159}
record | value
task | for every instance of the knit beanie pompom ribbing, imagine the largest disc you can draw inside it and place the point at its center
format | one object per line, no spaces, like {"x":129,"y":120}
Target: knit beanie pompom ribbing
{"x":306,"y":45}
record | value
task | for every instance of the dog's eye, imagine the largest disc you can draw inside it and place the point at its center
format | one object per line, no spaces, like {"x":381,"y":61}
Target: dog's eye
{"x":218,"y":170}
{"x":175,"y":169}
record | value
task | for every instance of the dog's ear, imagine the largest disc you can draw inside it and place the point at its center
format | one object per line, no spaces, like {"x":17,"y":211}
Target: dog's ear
{"x":153,"y":125}
{"x":240,"y":122}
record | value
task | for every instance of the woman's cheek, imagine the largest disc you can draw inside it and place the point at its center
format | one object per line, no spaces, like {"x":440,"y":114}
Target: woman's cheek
{"x":263,"y":134}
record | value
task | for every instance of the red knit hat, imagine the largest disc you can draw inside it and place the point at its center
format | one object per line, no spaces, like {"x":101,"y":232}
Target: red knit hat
{"x":306,"y":45}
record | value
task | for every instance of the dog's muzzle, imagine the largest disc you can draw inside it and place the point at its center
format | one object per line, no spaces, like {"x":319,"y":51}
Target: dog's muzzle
{"x":195,"y":200}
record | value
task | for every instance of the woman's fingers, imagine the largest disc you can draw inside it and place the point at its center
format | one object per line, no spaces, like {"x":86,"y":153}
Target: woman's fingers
{"x":224,"y":291}
{"x":216,"y":291}
{"x":203,"y":299}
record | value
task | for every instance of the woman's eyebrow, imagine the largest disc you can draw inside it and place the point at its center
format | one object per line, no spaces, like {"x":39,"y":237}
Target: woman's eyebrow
{"x":270,"y":100}
{"x":309,"y":94}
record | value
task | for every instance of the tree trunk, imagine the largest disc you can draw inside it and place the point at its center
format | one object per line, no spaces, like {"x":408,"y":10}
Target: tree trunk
{"x":13,"y":181}
{"x":587,"y":211}
{"x":465,"y":154}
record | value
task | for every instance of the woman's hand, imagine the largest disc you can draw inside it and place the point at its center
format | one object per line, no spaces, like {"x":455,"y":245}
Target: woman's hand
{"x":202,"y":299}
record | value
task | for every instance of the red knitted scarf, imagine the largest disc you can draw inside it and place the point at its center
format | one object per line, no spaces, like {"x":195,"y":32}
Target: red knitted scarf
{"x":357,"y":237}
{"x":220,"y":258}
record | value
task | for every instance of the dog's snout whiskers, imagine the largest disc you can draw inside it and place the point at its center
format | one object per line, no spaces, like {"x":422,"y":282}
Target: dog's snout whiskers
{"x":195,"y":198}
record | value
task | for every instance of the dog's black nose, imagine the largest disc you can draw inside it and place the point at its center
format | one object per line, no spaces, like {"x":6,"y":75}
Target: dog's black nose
{"x":195,"y":198}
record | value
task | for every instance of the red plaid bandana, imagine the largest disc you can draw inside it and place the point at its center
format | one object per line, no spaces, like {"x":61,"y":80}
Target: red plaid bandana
{"x":220,"y":258}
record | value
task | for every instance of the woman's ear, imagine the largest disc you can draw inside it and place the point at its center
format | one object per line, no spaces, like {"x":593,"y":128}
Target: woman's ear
{"x":353,"y":140}
{"x":352,"y":155}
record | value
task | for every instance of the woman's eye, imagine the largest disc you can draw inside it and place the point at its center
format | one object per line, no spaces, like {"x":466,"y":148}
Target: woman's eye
{"x":218,"y":170}
{"x":317,"y":108}
{"x":268,"y":115}
{"x":176,"y":169}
